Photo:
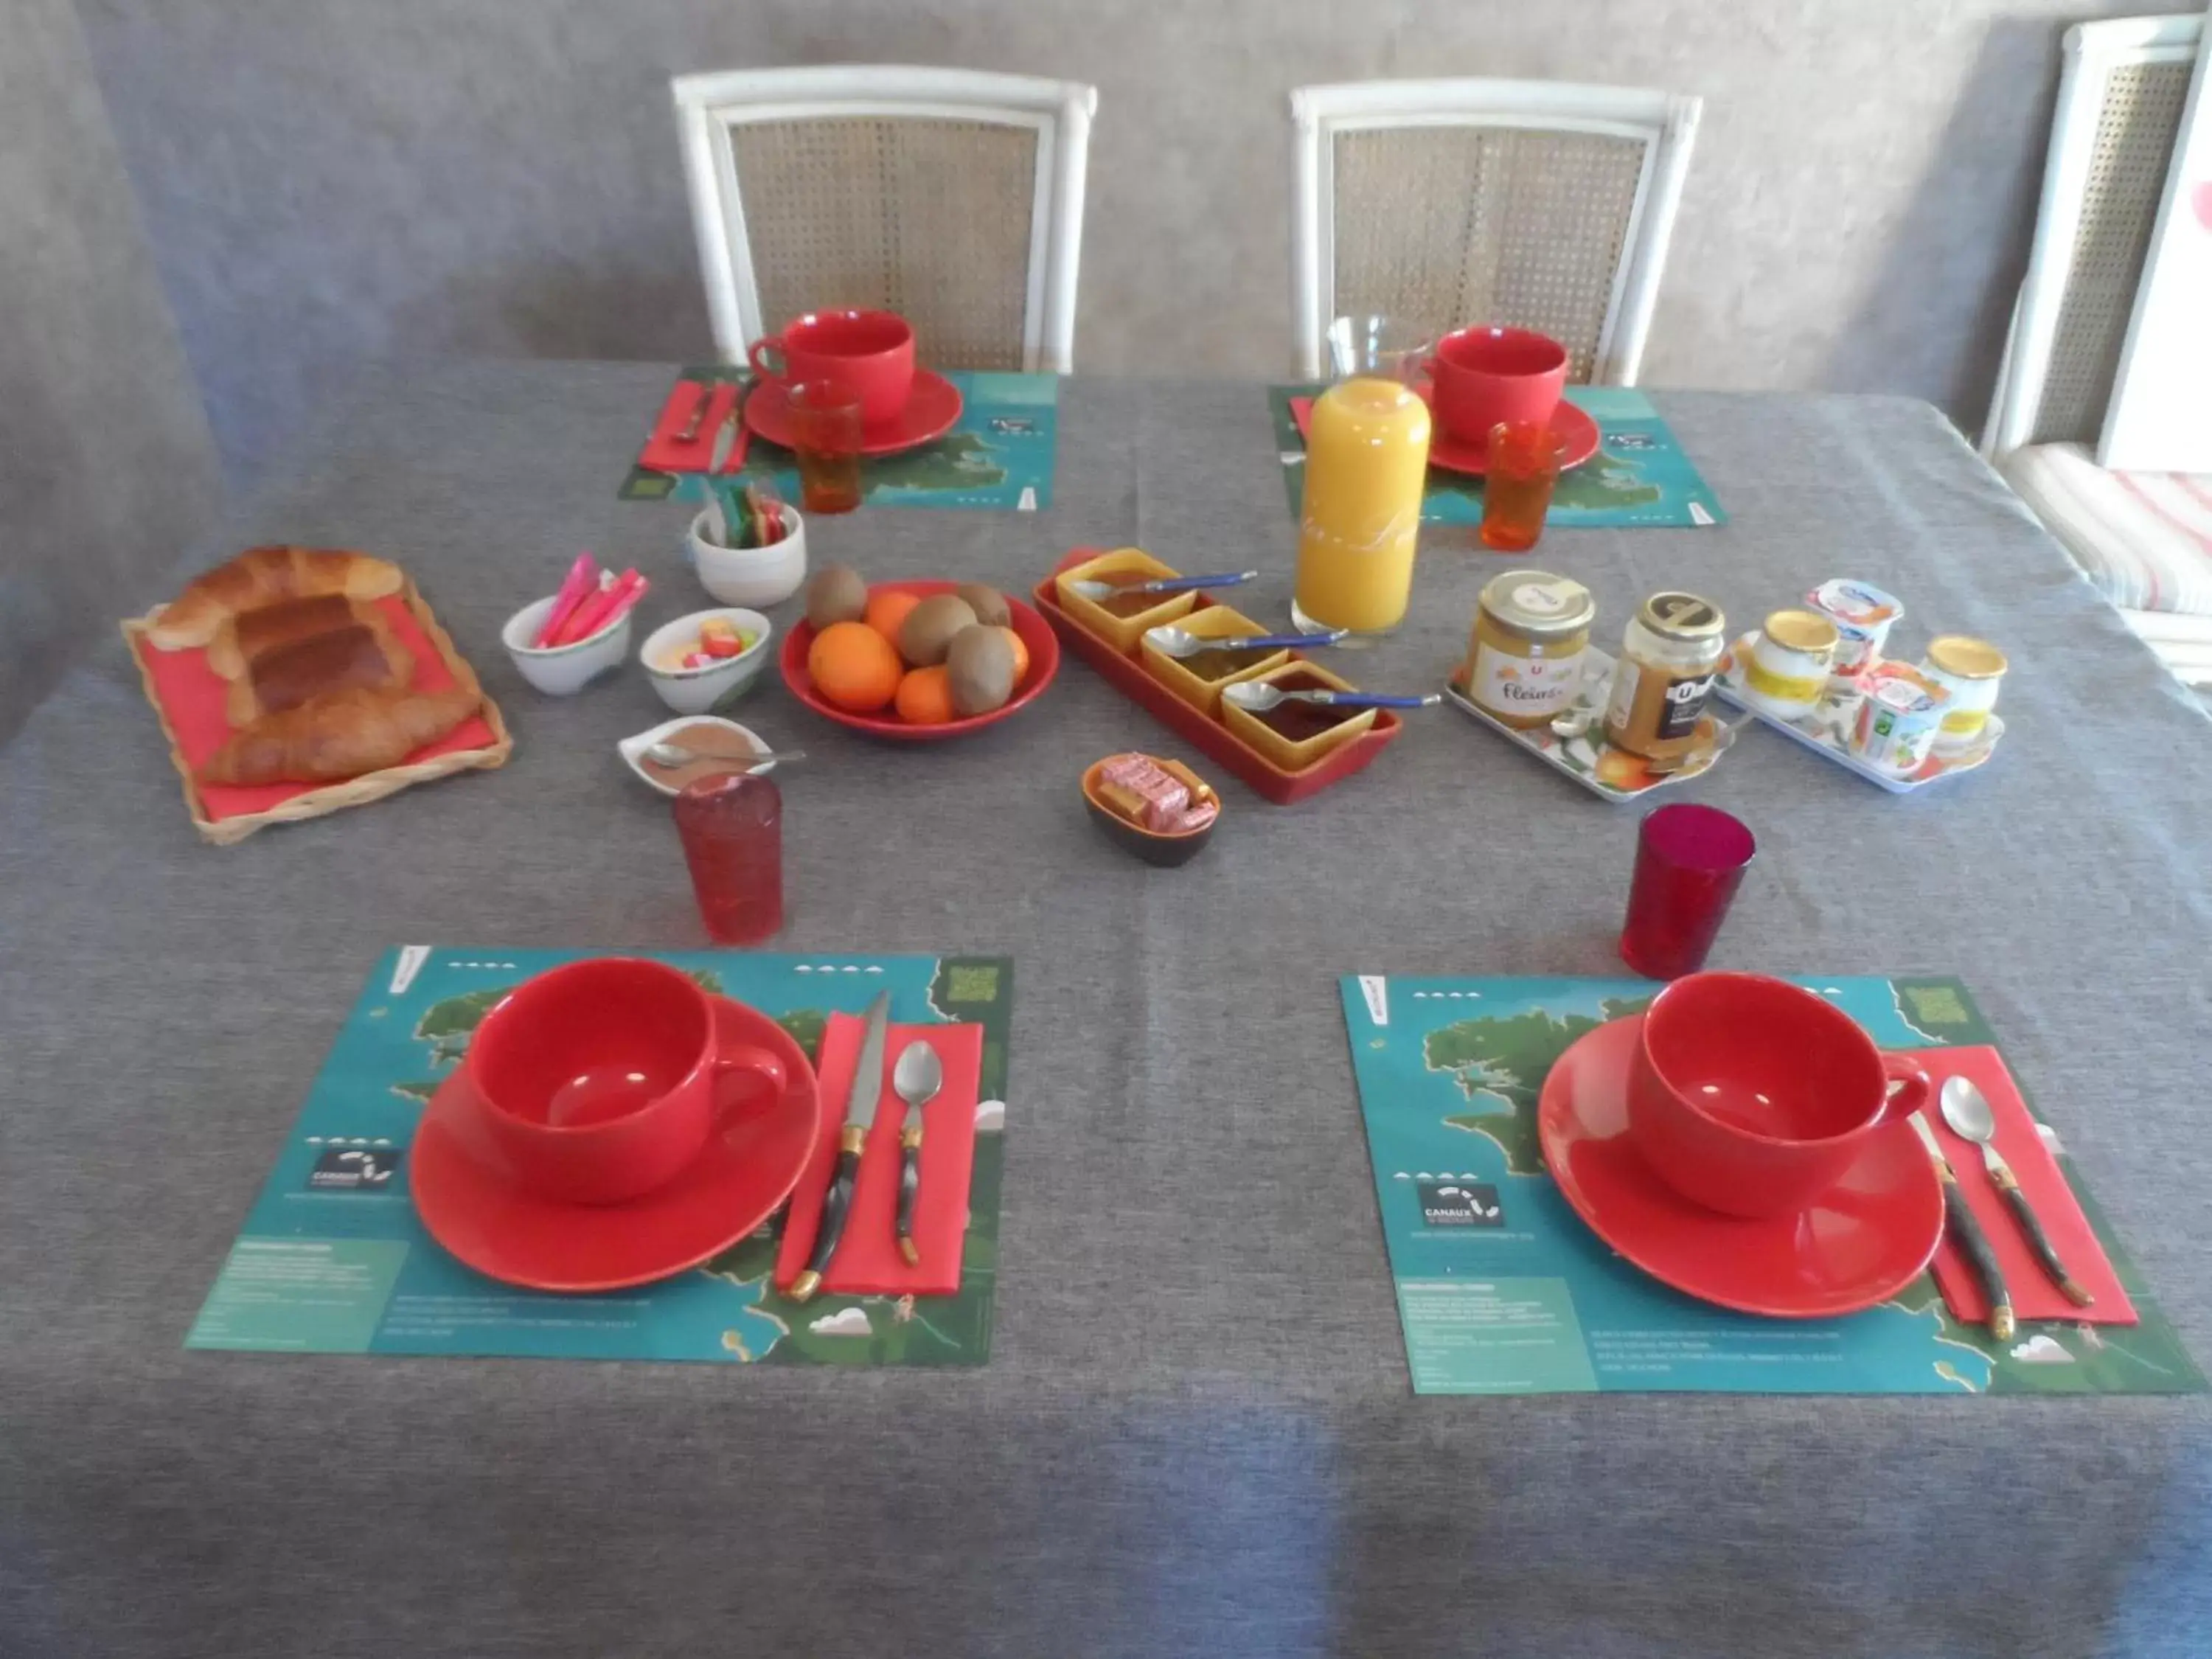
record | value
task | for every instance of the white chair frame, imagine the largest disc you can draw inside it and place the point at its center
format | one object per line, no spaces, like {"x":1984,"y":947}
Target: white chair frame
{"x":1666,"y":124}
{"x":1059,"y":112}
{"x":2093,"y":51}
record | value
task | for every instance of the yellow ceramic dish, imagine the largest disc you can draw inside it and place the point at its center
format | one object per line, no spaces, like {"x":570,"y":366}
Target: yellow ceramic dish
{"x":1216,"y":622}
{"x":1294,"y":756}
{"x":1123,"y":631}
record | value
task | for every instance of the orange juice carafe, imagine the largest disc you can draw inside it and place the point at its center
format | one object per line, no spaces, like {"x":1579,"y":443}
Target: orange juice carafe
{"x":1367,"y":457}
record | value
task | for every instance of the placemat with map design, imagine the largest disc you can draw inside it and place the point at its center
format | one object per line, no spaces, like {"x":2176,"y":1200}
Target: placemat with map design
{"x":1502,"y":1289}
{"x":1639,"y":474}
{"x":999,"y":456}
{"x":332,"y":1259}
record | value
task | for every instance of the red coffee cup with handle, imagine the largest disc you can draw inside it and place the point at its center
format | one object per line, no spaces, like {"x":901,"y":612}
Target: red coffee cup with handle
{"x":597,"y":1081}
{"x":1753,"y":1097}
{"x":1485,"y":375}
{"x":870,"y":351}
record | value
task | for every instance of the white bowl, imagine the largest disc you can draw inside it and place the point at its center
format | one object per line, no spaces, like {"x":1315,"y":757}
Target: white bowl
{"x":698,"y":691}
{"x":564,"y":669}
{"x":632,"y":750}
{"x":750,"y":576}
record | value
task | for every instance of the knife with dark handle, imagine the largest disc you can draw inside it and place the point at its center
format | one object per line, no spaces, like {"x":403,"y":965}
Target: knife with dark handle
{"x":860,"y":1100}
{"x":2007,"y":1182}
{"x":1959,"y":1221}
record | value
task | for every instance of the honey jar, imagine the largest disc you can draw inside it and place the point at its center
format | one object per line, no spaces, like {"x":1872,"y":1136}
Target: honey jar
{"x":1669,"y":657}
{"x":1524,"y":661}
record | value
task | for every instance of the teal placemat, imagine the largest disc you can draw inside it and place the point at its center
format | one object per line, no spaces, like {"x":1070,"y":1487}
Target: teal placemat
{"x":332,"y":1260}
{"x":1519,"y":1297}
{"x":1639,"y":474}
{"x":999,"y":456}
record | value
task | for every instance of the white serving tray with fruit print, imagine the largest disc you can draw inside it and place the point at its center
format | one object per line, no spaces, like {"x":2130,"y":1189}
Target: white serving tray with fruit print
{"x":1825,"y":730}
{"x":1575,"y":743}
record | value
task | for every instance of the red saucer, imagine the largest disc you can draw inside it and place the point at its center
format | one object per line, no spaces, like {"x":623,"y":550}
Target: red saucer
{"x":746,"y":1171}
{"x":931,"y":408}
{"x":1457,"y":454}
{"x":1861,"y":1244}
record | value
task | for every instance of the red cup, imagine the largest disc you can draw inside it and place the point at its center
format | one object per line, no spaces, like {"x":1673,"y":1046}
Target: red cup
{"x":1690,"y":859}
{"x":870,"y":351}
{"x":1487,"y":375}
{"x":599,"y":1081}
{"x":1753,"y":1097}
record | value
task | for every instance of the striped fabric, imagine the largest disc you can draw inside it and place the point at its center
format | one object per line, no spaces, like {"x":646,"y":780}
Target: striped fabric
{"x":2145,"y":539}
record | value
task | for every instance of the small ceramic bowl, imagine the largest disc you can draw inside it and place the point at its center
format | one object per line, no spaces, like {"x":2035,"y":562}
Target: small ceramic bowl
{"x":1296,"y":756}
{"x":1123,"y":631}
{"x":698,"y":691}
{"x":1166,"y":851}
{"x":754,"y":576}
{"x":1216,"y":622}
{"x":632,"y":750}
{"x":564,"y":669}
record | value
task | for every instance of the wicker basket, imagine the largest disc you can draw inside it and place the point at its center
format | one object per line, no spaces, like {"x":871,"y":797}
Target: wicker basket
{"x":316,"y":800}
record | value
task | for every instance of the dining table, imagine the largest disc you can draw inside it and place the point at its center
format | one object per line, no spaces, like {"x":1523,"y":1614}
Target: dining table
{"x":1194,"y":1432}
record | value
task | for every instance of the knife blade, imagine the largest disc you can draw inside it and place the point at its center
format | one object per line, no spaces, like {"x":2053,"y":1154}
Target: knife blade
{"x":860,"y":1101}
{"x":1959,"y":1222}
{"x":725,"y":439}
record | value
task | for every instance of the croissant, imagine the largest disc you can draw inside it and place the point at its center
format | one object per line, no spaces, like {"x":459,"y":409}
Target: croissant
{"x":263,"y":575}
{"x":340,"y":734}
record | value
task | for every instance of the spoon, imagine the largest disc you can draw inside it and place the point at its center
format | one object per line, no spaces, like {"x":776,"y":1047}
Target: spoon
{"x":917,"y":1077}
{"x":1173,"y":641}
{"x":675,"y":754}
{"x":1966,"y":1109}
{"x":1258,"y":697}
{"x":1092,"y":590}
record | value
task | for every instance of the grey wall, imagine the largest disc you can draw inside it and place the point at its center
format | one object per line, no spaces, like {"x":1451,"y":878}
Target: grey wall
{"x":106,"y":466}
{"x":328,"y":182}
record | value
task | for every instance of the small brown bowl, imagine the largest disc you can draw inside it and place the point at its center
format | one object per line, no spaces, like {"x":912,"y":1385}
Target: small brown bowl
{"x":1167,"y":851}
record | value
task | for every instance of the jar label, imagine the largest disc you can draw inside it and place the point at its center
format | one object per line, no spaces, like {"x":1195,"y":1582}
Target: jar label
{"x":1649,"y":708}
{"x":1507,"y":684}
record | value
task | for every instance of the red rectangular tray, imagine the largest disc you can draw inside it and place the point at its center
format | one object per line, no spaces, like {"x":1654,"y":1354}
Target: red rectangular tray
{"x":1127,"y":676}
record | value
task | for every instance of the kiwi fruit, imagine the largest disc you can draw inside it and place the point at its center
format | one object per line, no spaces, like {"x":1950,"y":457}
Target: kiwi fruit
{"x":836,"y":594}
{"x":987,"y":603}
{"x":979,"y":670}
{"x":926,"y":632}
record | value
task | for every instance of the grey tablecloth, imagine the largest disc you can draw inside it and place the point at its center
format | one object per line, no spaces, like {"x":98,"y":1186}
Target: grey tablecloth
{"x":1195,"y":1434}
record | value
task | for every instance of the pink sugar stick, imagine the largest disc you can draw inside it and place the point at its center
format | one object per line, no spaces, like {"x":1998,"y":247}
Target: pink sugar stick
{"x":575,"y":588}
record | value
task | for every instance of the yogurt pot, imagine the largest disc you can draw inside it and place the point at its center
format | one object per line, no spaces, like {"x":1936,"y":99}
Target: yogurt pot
{"x":1863,"y":616}
{"x":1896,"y":725}
{"x":1969,"y":671}
{"x":1785,"y":671}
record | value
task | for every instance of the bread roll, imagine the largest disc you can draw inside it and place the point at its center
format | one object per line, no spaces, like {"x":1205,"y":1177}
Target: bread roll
{"x":265,"y":575}
{"x":340,"y":734}
{"x":285,"y":676}
{"x":245,"y":637}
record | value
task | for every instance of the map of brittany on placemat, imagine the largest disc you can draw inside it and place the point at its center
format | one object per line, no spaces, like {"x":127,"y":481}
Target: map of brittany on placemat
{"x":1502,"y":1289}
{"x":334,"y":1259}
{"x":999,"y":455}
{"x":1639,"y":476}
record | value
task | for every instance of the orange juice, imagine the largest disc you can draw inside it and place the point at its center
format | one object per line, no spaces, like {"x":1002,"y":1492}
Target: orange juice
{"x":1367,"y":458}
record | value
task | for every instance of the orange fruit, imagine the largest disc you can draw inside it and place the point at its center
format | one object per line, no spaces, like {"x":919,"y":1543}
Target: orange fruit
{"x":853,"y":666}
{"x":887,"y":609}
{"x":925,"y":696}
{"x":1021,"y":657}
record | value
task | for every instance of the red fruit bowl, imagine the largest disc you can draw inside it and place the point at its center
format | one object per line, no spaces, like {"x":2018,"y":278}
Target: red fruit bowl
{"x":1036,"y":634}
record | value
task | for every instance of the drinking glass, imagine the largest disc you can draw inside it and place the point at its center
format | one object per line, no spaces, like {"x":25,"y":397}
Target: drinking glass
{"x":732,"y":826}
{"x":1689,"y":861}
{"x":1517,"y":490}
{"x":825,"y":433}
{"x":1383,"y":348}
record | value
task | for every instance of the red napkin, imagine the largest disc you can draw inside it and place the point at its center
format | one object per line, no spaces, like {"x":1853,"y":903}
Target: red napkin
{"x":664,"y":454}
{"x":868,"y":1261}
{"x":194,"y":699}
{"x":1302,"y":412}
{"x":2033,"y":1295}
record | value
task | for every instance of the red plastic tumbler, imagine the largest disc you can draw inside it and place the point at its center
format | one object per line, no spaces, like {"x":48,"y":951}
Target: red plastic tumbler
{"x":733,"y":830}
{"x":1689,"y":861}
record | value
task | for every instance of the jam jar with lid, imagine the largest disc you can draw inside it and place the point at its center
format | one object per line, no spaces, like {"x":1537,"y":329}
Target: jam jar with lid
{"x":1524,"y":663}
{"x":1670,"y":658}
